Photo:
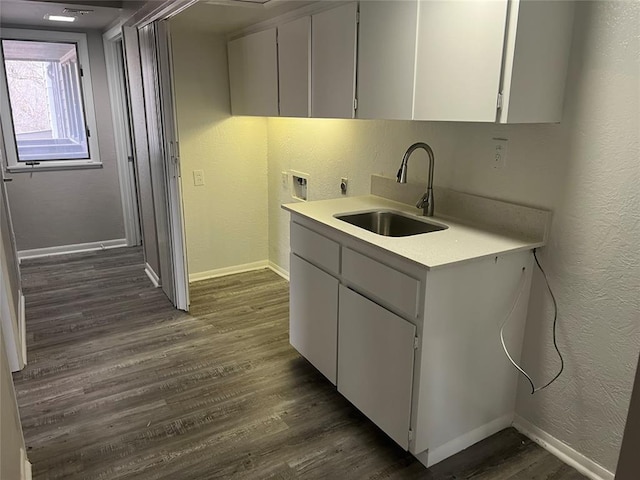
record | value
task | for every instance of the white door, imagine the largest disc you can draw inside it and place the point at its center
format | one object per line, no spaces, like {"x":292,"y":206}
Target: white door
{"x":294,"y":68}
{"x":313,"y":315}
{"x":164,"y":161}
{"x":375,"y":363}
{"x":333,"y":62}
{"x":116,"y":76}
{"x":459,"y":59}
{"x":253,"y":74}
{"x":173,"y":167}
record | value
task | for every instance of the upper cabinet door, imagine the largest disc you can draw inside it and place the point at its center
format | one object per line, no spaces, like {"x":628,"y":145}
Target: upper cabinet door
{"x":253,"y":74}
{"x":386,"y":59}
{"x":458,"y":60}
{"x":294,"y":68}
{"x":333,"y":70}
{"x":536,"y":61}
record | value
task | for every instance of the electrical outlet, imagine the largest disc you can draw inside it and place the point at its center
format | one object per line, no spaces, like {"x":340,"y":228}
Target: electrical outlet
{"x":285,"y":178}
{"x":198,"y":178}
{"x":344,"y":183}
{"x":499,"y":153}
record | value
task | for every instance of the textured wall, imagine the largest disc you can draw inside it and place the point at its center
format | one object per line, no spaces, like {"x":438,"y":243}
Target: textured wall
{"x":593,"y":256}
{"x":73,"y":206}
{"x":330,"y":149}
{"x":586,"y":169}
{"x":226,"y":219}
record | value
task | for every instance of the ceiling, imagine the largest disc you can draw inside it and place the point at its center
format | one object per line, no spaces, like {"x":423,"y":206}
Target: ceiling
{"x":31,"y":13}
{"x":227,"y":16}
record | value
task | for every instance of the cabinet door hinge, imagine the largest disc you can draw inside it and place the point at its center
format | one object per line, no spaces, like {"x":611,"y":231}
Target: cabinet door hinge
{"x":81,"y":71}
{"x":357,"y":17}
{"x":499,"y":103}
{"x":410,"y":435}
{"x":355,"y":104}
{"x":88,"y":133}
{"x":416,"y":341}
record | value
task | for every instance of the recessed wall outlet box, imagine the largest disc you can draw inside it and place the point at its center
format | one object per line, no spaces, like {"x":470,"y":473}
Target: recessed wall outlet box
{"x":198,"y":178}
{"x":299,"y":185}
{"x":344,"y":183}
{"x":499,"y":153}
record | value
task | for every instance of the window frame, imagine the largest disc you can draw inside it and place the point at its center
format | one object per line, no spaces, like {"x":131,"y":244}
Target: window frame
{"x":8,"y":132}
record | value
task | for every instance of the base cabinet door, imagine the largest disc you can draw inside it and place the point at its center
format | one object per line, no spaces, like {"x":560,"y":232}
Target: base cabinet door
{"x":313,"y":315}
{"x":375,"y":363}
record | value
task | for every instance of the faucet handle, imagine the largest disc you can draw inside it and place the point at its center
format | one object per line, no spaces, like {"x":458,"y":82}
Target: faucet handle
{"x":424,"y":201}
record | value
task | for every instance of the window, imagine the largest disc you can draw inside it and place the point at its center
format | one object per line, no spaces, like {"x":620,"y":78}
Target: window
{"x":46,"y":94}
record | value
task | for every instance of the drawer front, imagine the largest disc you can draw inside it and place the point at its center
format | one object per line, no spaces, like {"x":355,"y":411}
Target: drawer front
{"x":315,"y":248}
{"x":392,"y":287}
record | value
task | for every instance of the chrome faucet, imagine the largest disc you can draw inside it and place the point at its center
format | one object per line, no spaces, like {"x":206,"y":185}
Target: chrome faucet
{"x":426,"y":201}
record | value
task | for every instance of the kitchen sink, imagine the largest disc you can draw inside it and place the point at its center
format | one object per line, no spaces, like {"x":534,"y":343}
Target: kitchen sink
{"x":390,"y":223}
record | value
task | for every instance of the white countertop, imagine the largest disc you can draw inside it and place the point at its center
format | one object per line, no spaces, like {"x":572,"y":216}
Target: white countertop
{"x":458,"y":243}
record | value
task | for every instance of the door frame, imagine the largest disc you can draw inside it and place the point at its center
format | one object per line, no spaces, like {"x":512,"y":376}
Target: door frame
{"x":122,"y":136}
{"x":12,"y":317}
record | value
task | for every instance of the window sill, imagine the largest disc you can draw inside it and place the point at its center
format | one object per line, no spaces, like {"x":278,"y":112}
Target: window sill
{"x":51,"y":166}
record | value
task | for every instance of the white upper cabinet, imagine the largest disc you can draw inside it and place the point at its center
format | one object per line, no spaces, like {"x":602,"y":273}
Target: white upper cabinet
{"x":459,"y":59}
{"x":490,"y":61}
{"x":386,"y":59}
{"x":536,"y":61}
{"x":333,"y":62}
{"x":253,"y":74}
{"x":294,"y":67}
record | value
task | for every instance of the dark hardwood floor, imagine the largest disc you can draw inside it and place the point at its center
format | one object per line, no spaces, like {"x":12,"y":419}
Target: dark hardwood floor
{"x":120,"y":385}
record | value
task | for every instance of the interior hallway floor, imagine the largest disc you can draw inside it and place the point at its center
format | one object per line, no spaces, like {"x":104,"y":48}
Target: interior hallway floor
{"x":120,"y":385}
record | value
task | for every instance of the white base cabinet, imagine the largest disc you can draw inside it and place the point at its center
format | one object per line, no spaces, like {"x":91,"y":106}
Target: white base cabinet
{"x":313,"y":330}
{"x":418,"y":351}
{"x":375,"y":372}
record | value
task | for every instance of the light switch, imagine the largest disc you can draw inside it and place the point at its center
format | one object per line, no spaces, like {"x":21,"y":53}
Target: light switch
{"x":198,"y":178}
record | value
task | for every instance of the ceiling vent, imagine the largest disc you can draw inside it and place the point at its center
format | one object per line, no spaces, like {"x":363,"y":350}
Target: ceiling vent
{"x":241,"y":3}
{"x":77,"y":11}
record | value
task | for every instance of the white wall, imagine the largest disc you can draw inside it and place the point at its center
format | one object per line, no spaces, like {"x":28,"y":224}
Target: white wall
{"x":226,"y":219}
{"x":593,"y":257}
{"x":586,"y":169}
{"x":330,"y":149}
{"x":54,"y":208}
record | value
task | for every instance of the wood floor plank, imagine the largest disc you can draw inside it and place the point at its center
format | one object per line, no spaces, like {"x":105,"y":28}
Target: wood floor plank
{"x":120,"y":386}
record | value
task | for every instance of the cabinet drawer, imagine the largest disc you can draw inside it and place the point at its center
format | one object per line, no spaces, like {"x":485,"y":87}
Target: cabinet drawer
{"x":315,"y":248}
{"x":395,"y":288}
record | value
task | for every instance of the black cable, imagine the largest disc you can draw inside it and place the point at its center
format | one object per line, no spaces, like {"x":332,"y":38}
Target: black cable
{"x":555,"y":323}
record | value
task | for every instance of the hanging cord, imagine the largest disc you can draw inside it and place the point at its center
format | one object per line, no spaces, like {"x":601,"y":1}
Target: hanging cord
{"x":555,"y":322}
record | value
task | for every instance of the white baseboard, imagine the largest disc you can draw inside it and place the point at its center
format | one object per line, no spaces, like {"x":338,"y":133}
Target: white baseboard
{"x":221,"y":272}
{"x":563,"y":451}
{"x":153,"y":276}
{"x":22,"y":322}
{"x":279,"y":270}
{"x":25,"y":466}
{"x":76,"y":248}
{"x":435,"y":455}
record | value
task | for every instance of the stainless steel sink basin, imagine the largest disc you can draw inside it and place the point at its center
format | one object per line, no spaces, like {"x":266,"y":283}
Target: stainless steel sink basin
{"x":390,"y":223}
